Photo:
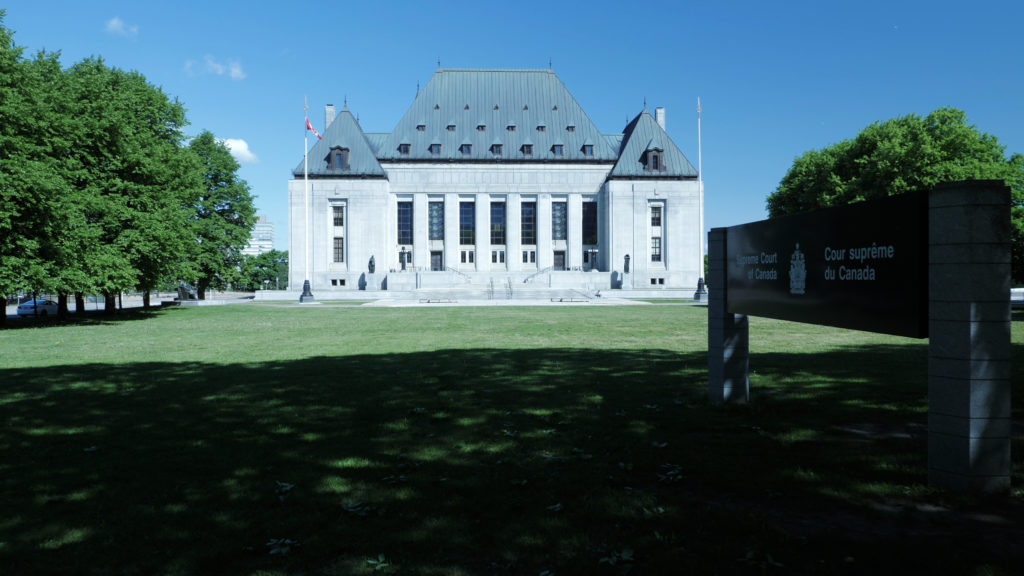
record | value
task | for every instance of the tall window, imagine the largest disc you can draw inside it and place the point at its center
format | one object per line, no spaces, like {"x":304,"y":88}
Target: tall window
{"x":528,"y":225}
{"x":656,"y":216}
{"x":497,"y":222}
{"x":655,"y":249}
{"x":339,"y":249}
{"x":558,"y":218}
{"x":467,"y":223}
{"x":339,"y":215}
{"x":337,"y":159}
{"x":405,"y":222}
{"x":590,"y":223}
{"x":435,"y":219}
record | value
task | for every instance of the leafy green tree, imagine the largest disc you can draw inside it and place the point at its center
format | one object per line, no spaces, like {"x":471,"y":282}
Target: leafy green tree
{"x":222,"y":216}
{"x":899,"y":155}
{"x":268,"y":270}
{"x":28,"y":184}
{"x":131,"y":179}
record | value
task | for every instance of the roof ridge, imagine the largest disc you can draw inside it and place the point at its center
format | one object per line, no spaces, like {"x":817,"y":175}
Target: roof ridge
{"x":544,"y":70}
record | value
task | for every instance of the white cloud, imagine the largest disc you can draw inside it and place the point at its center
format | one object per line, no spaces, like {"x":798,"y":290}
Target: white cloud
{"x":189,"y":64}
{"x":233,"y":68}
{"x":117,"y":26}
{"x":240,"y":150}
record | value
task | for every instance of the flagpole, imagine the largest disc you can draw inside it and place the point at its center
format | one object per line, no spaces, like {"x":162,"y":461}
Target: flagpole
{"x":307,"y":295}
{"x":701,"y":295}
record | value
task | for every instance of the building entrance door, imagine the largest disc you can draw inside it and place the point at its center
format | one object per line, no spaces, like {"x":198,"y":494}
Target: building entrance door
{"x":559,"y":260}
{"x":436,"y":261}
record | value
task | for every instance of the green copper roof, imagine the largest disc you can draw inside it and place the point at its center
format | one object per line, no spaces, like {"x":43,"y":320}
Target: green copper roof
{"x":465,"y":110}
{"x":497,"y":116}
{"x":641,"y":136}
{"x":344,"y":132}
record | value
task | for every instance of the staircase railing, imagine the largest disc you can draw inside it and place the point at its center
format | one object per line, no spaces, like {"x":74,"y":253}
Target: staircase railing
{"x":460,"y":274}
{"x":530,"y":278}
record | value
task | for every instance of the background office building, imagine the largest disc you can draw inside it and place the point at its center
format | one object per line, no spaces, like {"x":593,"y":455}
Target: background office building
{"x":261,"y":239}
{"x":495,"y":177}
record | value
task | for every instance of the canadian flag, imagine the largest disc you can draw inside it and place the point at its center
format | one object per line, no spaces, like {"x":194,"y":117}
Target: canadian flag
{"x":310,"y":127}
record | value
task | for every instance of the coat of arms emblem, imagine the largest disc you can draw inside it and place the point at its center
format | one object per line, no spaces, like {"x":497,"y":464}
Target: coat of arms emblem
{"x":797,"y":271}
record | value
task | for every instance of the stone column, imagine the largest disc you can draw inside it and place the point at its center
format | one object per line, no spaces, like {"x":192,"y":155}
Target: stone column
{"x":574,"y":232}
{"x":451,"y":231}
{"x":728,"y":334}
{"x":483,"y":232}
{"x":969,"y":336}
{"x":513,"y":232}
{"x":421,"y":246}
{"x":544,"y":249}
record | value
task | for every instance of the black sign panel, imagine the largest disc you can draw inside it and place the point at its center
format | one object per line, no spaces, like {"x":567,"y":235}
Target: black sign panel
{"x":862,"y":266}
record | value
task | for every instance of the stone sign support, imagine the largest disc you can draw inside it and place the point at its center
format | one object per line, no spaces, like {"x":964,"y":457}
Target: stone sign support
{"x":949,"y":248}
{"x":969,"y":323}
{"x":728,"y":334}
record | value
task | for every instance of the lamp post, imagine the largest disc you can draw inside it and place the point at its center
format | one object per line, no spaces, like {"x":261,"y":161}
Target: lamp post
{"x":307,"y":294}
{"x":701,"y":295}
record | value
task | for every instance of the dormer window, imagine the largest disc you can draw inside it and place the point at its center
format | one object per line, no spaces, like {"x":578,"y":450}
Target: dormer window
{"x":435,"y":149}
{"x":466,"y":149}
{"x":337,"y":159}
{"x":557,"y":149}
{"x":496,"y":149}
{"x":570,"y":128}
{"x":587,"y":149}
{"x":481,"y":127}
{"x":654,"y":160}
{"x":527,"y":149}
{"x":421,"y":127}
{"x":511,"y":127}
{"x":541,"y":128}
{"x":403,"y":149}
{"x":450,"y":128}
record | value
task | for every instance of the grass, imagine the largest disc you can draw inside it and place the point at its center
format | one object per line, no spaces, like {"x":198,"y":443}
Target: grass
{"x":260,"y":439}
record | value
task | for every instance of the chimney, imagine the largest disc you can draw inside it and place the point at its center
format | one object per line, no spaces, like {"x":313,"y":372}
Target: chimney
{"x":328,"y":115}
{"x":659,"y":116}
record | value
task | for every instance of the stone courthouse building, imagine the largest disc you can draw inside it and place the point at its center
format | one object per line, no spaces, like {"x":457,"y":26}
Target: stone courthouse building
{"x":495,"y":178}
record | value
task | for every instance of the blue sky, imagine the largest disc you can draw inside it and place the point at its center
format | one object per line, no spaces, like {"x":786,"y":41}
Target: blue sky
{"x":775,"y":79}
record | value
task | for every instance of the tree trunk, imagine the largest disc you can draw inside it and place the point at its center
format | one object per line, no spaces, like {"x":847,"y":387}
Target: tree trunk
{"x":201,"y":292}
{"x":120,"y":302}
{"x":79,"y":303}
{"x":109,"y":304}
{"x":62,"y":305}
{"x":145,"y":299}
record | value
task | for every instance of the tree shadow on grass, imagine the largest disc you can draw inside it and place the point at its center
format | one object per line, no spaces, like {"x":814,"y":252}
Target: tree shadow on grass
{"x":84,"y":318}
{"x":484,"y":461}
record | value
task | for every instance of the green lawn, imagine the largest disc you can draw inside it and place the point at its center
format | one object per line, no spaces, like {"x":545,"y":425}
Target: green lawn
{"x":265,"y":439}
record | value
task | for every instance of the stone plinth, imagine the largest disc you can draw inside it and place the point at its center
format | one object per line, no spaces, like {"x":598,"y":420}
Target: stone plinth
{"x":969,"y":336}
{"x":728,"y":334}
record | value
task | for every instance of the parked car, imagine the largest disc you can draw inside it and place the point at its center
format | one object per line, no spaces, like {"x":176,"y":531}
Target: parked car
{"x":45,"y":307}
